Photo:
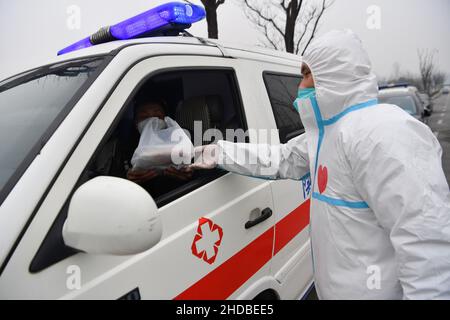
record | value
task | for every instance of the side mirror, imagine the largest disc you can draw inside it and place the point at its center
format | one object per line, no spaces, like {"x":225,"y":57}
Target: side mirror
{"x":110,"y":215}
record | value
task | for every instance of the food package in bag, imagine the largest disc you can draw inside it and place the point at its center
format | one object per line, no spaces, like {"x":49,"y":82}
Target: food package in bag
{"x":163,"y":143}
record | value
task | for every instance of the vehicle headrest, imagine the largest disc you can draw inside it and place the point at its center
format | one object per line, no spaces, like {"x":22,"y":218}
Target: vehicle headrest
{"x":215,"y":107}
{"x":193,"y":109}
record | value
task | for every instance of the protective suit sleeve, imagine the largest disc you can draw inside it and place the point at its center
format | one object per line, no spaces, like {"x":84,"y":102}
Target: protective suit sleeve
{"x":399,"y":174}
{"x":283,"y":161}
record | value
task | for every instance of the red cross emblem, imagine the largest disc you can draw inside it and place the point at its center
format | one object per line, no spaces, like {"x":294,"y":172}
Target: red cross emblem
{"x":207,"y":240}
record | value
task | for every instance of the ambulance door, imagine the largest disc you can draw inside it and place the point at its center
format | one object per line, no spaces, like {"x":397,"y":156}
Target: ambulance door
{"x":217,"y":229}
{"x":292,"y":262}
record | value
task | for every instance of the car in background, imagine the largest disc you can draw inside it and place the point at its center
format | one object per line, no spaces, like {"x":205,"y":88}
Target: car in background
{"x":445,"y":90}
{"x":426,"y":101}
{"x":406,"y":97}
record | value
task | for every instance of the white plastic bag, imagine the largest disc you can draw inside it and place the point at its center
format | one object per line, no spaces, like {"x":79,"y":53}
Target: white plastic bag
{"x":163,"y":144}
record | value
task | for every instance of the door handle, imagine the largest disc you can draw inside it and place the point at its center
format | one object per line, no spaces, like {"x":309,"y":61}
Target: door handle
{"x":265,"y":214}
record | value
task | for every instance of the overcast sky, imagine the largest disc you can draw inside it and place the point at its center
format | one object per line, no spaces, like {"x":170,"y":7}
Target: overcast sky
{"x":31,"y":31}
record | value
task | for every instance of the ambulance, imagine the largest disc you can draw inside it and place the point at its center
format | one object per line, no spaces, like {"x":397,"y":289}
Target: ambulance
{"x":69,"y":230}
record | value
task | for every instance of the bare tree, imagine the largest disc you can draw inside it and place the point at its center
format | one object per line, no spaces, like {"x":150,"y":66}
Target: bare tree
{"x":438,"y":81}
{"x":409,"y":78}
{"x":211,"y":17}
{"x":287,"y":25}
{"x":432,"y":79}
{"x":395,"y":70}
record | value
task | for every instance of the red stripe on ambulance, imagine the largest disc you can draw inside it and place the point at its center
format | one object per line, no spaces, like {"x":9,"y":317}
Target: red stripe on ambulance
{"x":229,"y":276}
{"x":291,"y":225}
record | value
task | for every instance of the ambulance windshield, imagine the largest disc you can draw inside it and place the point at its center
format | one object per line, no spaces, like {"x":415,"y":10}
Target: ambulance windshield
{"x":32,"y":105}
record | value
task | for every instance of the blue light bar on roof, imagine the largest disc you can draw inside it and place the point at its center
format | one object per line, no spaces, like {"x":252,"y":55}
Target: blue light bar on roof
{"x":172,"y":15}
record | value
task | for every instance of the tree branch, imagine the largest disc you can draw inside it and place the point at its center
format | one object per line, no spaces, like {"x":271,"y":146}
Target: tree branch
{"x":219,"y":2}
{"x":272,"y":43}
{"x":311,"y":17}
{"x":284,"y":5}
{"x":315,"y":26}
{"x":299,"y":6}
{"x":269,"y":20}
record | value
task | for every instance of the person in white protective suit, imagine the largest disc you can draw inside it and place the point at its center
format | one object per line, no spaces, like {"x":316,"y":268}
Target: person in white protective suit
{"x":380,"y":207}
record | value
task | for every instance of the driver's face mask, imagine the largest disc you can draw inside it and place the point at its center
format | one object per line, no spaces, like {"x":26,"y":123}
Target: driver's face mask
{"x":153,"y":122}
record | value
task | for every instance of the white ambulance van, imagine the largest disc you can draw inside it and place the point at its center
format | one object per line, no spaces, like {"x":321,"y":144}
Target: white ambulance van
{"x":71,"y":228}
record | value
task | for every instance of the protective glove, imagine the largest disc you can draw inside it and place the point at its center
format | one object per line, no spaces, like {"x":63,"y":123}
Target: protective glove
{"x":205,"y":157}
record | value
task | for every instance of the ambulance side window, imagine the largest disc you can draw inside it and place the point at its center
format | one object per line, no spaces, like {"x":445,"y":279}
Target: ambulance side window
{"x":282,"y":90}
{"x":199,"y":101}
{"x":208,"y":95}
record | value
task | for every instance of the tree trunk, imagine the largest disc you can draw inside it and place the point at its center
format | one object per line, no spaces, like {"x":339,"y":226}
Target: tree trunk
{"x":211,"y":18}
{"x":290,"y":33}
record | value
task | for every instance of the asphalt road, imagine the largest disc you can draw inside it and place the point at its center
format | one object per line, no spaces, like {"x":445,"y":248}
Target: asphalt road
{"x":439,"y":123}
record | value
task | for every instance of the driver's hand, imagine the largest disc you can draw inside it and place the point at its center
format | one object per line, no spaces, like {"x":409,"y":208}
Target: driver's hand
{"x":183,"y":174}
{"x":141,"y":176}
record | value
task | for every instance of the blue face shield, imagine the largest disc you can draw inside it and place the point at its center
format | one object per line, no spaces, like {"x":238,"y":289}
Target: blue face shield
{"x":303,"y":94}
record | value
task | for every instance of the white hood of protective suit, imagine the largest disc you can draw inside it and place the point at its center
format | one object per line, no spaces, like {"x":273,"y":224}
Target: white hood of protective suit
{"x":342,"y":72}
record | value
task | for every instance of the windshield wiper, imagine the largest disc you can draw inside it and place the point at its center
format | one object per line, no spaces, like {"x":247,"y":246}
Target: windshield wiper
{"x":63,"y":69}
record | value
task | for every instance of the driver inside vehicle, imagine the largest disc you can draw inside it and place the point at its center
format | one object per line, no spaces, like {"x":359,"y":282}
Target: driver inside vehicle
{"x":114,"y":158}
{"x":154,"y":108}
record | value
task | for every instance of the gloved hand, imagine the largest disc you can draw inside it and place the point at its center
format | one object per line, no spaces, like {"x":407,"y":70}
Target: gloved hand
{"x":205,"y":157}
